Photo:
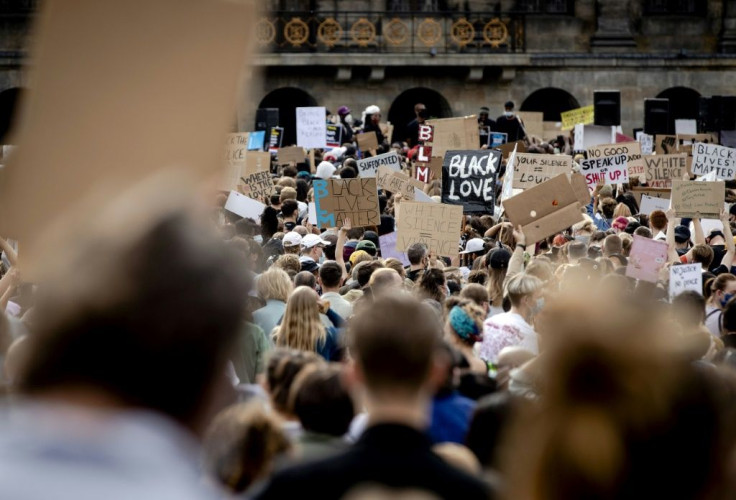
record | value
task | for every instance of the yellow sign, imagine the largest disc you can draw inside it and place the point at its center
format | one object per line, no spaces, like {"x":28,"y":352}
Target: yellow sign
{"x":575,"y":116}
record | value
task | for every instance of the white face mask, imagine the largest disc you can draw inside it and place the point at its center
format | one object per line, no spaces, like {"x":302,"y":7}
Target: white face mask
{"x":508,"y":113}
{"x":349,"y":119}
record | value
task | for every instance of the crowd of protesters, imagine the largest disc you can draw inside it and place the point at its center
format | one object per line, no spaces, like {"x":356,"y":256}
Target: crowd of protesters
{"x":307,"y":364}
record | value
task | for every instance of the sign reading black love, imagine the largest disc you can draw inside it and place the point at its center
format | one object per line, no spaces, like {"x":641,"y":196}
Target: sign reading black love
{"x":469,"y":179}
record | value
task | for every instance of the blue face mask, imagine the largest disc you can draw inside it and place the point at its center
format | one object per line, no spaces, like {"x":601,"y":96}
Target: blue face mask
{"x":726,"y":298}
{"x":538,"y":306}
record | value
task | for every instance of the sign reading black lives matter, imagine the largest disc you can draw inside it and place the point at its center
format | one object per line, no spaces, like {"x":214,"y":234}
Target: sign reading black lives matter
{"x":369,"y":166}
{"x":469,"y":179}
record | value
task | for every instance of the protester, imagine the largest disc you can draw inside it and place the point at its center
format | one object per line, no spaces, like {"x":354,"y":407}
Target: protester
{"x":274,"y":286}
{"x":510,"y":124}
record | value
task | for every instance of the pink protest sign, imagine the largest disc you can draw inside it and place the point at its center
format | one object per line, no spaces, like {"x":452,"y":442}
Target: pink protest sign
{"x":646,"y":259}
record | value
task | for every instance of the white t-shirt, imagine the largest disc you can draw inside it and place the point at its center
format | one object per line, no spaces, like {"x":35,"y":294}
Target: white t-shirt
{"x":506,"y":330}
{"x":713,"y":320}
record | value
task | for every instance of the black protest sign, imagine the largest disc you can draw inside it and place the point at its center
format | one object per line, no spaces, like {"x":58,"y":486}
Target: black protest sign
{"x":469,"y":179}
{"x":334,"y":136}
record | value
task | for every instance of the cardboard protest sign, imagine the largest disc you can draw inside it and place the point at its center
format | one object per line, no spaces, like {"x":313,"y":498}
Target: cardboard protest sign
{"x":544,"y":209}
{"x":290,"y":154}
{"x":387,"y":242}
{"x":647,"y":143}
{"x":435,"y":224}
{"x":580,"y":188}
{"x":275,"y":139}
{"x":533,"y":122}
{"x":86,"y":102}
{"x":244,"y":206}
{"x":712,"y":158}
{"x":649,"y":204}
{"x":397,"y":182}
{"x":257,"y":162}
{"x":533,"y":169}
{"x":426,"y":133}
{"x":698,"y":199}
{"x":690,"y":139}
{"x":638,"y":192}
{"x":454,"y":134}
{"x":665,"y":144}
{"x":235,"y":151}
{"x":368,"y":167}
{"x":310,"y":127}
{"x":685,"y":278}
{"x":661,"y":169}
{"x":469,"y":179}
{"x":495,"y":139}
{"x":631,"y":149}
{"x":334,"y":136}
{"x":356,"y":199}
{"x":258,"y":185}
{"x":609,"y":169}
{"x":507,"y":148}
{"x":646,"y":259}
{"x":256,"y":140}
{"x":367,"y":141}
{"x":583,"y":116}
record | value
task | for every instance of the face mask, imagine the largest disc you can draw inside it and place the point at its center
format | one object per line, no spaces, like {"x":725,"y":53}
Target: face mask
{"x":726,"y":298}
{"x":322,"y":259}
{"x":583,"y":237}
{"x":557,"y":151}
{"x":349,"y":119}
{"x":508,"y":114}
{"x":258,"y":239}
{"x":447,"y":291}
{"x":538,"y":306}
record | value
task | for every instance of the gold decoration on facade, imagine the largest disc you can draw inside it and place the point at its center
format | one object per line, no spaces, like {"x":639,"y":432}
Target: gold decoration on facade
{"x":363,"y":32}
{"x":265,"y":31}
{"x":429,"y":32}
{"x":296,"y":32}
{"x":396,"y":31}
{"x":329,"y":32}
{"x":495,"y":33}
{"x":462,"y":32}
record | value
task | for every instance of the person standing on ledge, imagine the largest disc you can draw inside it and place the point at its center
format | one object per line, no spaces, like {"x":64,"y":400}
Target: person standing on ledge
{"x":510,"y":124}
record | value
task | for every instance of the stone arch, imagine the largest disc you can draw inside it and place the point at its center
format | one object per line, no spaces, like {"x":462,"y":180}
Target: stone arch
{"x":401,"y":111}
{"x":551,"y":101}
{"x":683,"y":104}
{"x":9,"y":99}
{"x":286,"y":100}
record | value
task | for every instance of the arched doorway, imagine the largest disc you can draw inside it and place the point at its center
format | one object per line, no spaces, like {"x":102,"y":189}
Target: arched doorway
{"x":9,"y":100}
{"x":401,"y":111}
{"x":683,"y":104}
{"x":287,"y":99}
{"x":550,"y":101}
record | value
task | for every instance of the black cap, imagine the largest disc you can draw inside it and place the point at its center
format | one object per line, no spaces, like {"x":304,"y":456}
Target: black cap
{"x":500,"y":258}
{"x":682,"y":234}
{"x":509,"y":105}
{"x":633,"y":225}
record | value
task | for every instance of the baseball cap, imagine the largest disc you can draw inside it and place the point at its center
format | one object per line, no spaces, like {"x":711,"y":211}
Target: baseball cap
{"x":682,"y":234}
{"x":291,"y":239}
{"x":308,"y":264}
{"x":367,"y":246}
{"x":474,"y":245}
{"x":312,"y":240}
{"x":500,"y":258}
{"x":343,"y":110}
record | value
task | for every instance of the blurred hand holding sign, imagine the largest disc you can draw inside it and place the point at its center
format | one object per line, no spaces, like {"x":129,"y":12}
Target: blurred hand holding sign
{"x":119,"y":92}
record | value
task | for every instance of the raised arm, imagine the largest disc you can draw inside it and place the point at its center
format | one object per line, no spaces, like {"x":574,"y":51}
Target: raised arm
{"x":699,"y":236}
{"x":516,"y":263}
{"x":728,"y":236}
{"x":9,"y":252}
{"x":342,"y":236}
{"x":671,"y":247}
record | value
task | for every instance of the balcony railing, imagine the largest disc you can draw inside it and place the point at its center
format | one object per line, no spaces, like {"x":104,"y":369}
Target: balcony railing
{"x":391,"y":32}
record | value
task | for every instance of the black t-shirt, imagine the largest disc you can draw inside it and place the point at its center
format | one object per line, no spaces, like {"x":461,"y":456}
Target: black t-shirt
{"x":718,"y":252}
{"x":511,"y":127}
{"x":414,"y":275}
{"x":412,"y":132}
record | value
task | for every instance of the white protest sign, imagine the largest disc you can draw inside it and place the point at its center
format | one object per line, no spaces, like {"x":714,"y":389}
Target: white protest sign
{"x":595,"y":135}
{"x":712,"y":158}
{"x":649,"y":204}
{"x":579,"y":141}
{"x":369,"y":166}
{"x":686,"y":127}
{"x":420,"y":195}
{"x":646,"y":141}
{"x":310,"y":127}
{"x":609,"y":169}
{"x":312,"y":213}
{"x":241,"y":205}
{"x":687,"y":277}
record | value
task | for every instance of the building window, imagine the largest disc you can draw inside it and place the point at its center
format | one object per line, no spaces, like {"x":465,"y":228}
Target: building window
{"x":675,"y":7}
{"x":546,"y":6}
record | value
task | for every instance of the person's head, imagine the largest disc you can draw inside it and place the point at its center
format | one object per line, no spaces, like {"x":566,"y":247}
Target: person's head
{"x":643,"y":231}
{"x":290,"y":208}
{"x":682,"y":237}
{"x":301,"y":327}
{"x":289,"y":263}
{"x":431,"y":285}
{"x":702,"y":254}
{"x":394,"y":353}
{"x":365,"y":270}
{"x":305,"y":278}
{"x":269,"y":222}
{"x":715,"y":237}
{"x":282,"y":368}
{"x":418,"y":255}
{"x":483,"y":113}
{"x":688,"y":309}
{"x":367,"y":246}
{"x":608,"y":207}
{"x":330,"y":276}
{"x":576,"y":250}
{"x":657,"y":221}
{"x":465,"y":322}
{"x":490,"y":421}
{"x":384,"y":281}
{"x":612,"y":245}
{"x":396,"y":265}
{"x":728,"y":319}
{"x":274,"y":284}
{"x":524,"y":292}
{"x":312,"y":246}
{"x":292,"y":242}
{"x":622,"y":210}
{"x":508,"y":107}
{"x":321,"y":400}
{"x":478,"y":294}
{"x":418,"y":108}
{"x":288,"y":192}
{"x":166,"y":286}
{"x":358,"y":257}
{"x":242,"y":444}
{"x":723,"y":288}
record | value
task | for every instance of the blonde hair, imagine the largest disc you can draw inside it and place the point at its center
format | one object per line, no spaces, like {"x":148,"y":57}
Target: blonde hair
{"x":274,"y":284}
{"x":496,"y":277}
{"x":289,"y":188}
{"x":522,"y":285}
{"x":622,"y":210}
{"x":301,"y":327}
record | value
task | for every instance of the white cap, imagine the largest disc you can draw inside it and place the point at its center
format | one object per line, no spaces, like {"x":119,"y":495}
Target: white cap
{"x":312,"y":240}
{"x":291,"y":239}
{"x":474,"y":245}
{"x":372,"y":110}
{"x":325,"y":170}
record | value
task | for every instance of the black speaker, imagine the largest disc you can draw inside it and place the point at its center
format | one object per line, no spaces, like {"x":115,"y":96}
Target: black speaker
{"x":705,"y":120}
{"x":657,"y":116}
{"x":728,"y":113}
{"x":267,"y":118}
{"x":607,"y":107}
